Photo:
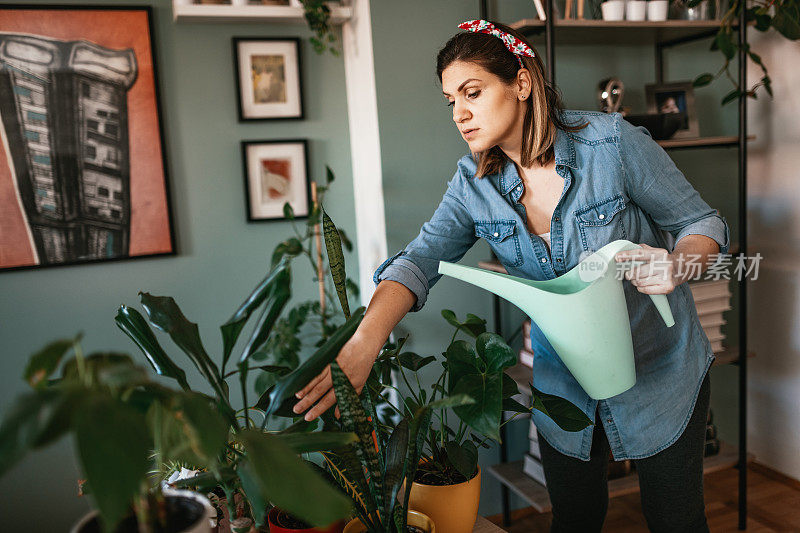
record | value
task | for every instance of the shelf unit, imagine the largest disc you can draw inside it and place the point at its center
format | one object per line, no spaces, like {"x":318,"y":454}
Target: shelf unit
{"x":187,"y":12}
{"x":662,"y":35}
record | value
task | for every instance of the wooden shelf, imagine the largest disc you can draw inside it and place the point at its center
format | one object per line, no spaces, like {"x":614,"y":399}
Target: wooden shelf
{"x":183,"y":12}
{"x":512,"y":476}
{"x":703,"y":142}
{"x":572,"y":31}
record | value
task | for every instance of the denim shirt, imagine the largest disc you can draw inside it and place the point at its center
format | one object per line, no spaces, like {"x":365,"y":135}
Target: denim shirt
{"x":618,"y":184}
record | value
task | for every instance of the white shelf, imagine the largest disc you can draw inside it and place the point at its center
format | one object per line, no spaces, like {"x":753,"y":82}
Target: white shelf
{"x":185,"y":12}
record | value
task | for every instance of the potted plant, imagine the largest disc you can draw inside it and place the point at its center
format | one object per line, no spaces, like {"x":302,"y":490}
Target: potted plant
{"x":446,"y":486}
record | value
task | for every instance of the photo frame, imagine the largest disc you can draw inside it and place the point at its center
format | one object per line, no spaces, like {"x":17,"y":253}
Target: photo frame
{"x":276,"y":172}
{"x":268,"y":80}
{"x":83,"y":167}
{"x":676,"y":97}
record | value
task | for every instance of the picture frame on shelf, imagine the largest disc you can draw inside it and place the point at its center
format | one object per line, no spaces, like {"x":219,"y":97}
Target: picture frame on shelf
{"x":675,"y":97}
{"x":83,"y":169}
{"x":268,"y":79}
{"x":276,"y":172}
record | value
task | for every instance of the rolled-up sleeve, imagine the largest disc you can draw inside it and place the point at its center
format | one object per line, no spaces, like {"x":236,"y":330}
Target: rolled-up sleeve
{"x":447,"y":236}
{"x":655,"y":184}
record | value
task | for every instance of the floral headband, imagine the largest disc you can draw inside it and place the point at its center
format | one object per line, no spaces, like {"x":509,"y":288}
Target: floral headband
{"x":514,"y":45}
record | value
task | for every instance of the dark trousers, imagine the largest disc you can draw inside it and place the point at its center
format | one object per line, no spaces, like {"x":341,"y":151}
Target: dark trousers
{"x":670,"y":482}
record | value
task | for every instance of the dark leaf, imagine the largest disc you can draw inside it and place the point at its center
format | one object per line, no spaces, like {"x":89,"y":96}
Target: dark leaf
{"x":279,"y":296}
{"x":288,"y":482}
{"x":451,"y":318}
{"x":563,"y":412}
{"x":329,"y":176}
{"x":414,"y":362}
{"x":703,"y":79}
{"x":43,"y":363}
{"x":288,"y":211}
{"x":463,"y":457}
{"x":513,"y":406}
{"x":396,"y":452}
{"x":133,"y":324}
{"x":725,"y":44}
{"x":731,"y":96}
{"x":461,"y":361}
{"x":510,"y":387}
{"x":786,"y":20}
{"x":333,"y":244}
{"x":320,"y":441}
{"x":495,"y":352}
{"x":484,"y":415}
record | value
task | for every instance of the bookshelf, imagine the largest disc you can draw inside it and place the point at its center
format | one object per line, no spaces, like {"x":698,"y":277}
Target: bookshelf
{"x":661,"y":35}
{"x":184,"y":11}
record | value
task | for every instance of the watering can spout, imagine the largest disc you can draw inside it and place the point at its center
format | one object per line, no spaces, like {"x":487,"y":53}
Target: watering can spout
{"x":503,"y":285}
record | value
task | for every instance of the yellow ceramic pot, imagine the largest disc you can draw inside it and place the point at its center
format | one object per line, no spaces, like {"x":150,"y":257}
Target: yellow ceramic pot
{"x":415,"y":518}
{"x":453,"y":508}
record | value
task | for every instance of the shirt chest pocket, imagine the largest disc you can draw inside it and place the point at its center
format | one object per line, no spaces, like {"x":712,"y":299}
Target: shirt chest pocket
{"x":503,"y":238}
{"x":601,"y":222}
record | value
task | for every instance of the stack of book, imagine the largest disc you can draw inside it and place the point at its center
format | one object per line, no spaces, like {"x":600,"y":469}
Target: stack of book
{"x":712,"y":298}
{"x":526,"y":353}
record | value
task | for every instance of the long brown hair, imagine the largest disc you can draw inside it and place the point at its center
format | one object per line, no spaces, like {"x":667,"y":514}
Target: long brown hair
{"x":544,"y":107}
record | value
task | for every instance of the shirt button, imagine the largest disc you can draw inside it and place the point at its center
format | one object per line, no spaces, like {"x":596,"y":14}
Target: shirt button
{"x":544,"y":260}
{"x":609,"y":420}
{"x":557,"y":219}
{"x":602,"y":216}
{"x":559,"y":259}
{"x":496,"y":234}
{"x":519,"y":188}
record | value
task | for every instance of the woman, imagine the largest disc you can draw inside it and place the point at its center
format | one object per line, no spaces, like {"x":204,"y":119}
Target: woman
{"x":544,"y":186}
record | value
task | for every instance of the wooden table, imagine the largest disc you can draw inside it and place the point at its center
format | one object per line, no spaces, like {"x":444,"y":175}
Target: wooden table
{"x":484,"y":526}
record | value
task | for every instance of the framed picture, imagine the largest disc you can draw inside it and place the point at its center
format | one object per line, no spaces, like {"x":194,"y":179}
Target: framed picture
{"x":677,"y":97}
{"x":268,"y":78}
{"x":276,"y":172}
{"x":83,"y":172}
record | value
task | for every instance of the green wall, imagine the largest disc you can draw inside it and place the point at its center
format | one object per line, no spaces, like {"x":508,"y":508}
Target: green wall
{"x":221,"y":256}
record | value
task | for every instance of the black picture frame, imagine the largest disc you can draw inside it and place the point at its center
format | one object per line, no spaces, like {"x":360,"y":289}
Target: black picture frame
{"x":247,"y":108}
{"x":675,"y":97}
{"x":79,"y":210}
{"x":298,"y":181}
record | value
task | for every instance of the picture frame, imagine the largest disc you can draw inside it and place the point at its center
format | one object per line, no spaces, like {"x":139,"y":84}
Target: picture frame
{"x":83,"y":165}
{"x":276,"y":172}
{"x":675,"y":97}
{"x":268,"y":78}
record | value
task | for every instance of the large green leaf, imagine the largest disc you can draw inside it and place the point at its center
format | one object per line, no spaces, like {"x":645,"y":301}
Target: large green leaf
{"x":135,"y":326}
{"x":33,"y":420}
{"x":205,"y":427}
{"x":288,"y":482}
{"x":396,"y":452}
{"x":164,"y":313}
{"x":43,"y":363}
{"x":461,"y":361}
{"x":495,"y":352}
{"x":286,"y":388}
{"x":113,"y":444}
{"x":355,"y":419}
{"x":92,"y":366}
{"x":346,"y":469}
{"x":463,"y":457}
{"x":320,"y":441}
{"x":484,"y":415}
{"x":563,"y":412}
{"x":786,"y":20}
{"x":233,"y":327}
{"x":280,"y":295}
{"x":333,"y":244}
{"x":510,"y":387}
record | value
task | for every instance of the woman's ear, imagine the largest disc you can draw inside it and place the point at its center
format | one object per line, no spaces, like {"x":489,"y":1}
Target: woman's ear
{"x":524,"y":84}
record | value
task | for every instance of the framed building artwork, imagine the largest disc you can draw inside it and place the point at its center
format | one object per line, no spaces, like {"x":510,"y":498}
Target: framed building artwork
{"x":83,"y":174}
{"x":276,"y":173}
{"x":677,"y":97}
{"x":268,"y":78}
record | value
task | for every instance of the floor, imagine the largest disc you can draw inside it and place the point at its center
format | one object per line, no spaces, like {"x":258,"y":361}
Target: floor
{"x":773,"y":505}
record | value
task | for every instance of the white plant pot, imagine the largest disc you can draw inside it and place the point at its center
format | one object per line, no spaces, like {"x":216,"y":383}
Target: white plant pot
{"x":202,"y":525}
{"x":657,"y":9}
{"x":636,"y":10}
{"x":239,"y":3}
{"x":295,"y":3}
{"x":613,"y":10}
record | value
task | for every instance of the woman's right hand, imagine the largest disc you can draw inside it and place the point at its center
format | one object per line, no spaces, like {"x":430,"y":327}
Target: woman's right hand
{"x":356,"y":359}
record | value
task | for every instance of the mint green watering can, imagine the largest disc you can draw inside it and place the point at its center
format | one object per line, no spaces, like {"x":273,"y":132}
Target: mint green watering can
{"x":583,"y":314}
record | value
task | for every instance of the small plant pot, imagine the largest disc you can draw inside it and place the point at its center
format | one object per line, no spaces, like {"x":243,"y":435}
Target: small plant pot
{"x":657,"y":9}
{"x":415,"y":518}
{"x":453,"y":508}
{"x":636,"y":10}
{"x":187,"y":512}
{"x":613,"y":10}
{"x":274,"y":527}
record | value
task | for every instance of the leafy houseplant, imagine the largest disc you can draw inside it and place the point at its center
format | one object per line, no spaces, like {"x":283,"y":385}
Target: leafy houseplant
{"x":782,"y":15}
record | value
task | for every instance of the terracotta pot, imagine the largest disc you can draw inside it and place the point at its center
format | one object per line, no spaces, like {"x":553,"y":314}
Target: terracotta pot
{"x":415,"y":518}
{"x":272,"y":518}
{"x":453,"y":508}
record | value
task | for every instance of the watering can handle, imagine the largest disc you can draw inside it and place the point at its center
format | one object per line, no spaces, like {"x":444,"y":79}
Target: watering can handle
{"x":662,"y":304}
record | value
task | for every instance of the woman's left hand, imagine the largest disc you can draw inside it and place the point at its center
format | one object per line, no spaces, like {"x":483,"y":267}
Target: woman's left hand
{"x":650,"y":270}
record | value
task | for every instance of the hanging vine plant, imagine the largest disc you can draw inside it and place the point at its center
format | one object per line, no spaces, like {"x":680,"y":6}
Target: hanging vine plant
{"x":318,"y":15}
{"x":782,"y":15}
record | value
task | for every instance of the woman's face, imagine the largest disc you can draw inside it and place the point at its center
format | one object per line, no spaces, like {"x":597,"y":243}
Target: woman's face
{"x":485,"y":104}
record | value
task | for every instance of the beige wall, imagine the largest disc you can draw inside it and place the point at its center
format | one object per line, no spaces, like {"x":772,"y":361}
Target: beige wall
{"x":774,"y":231}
